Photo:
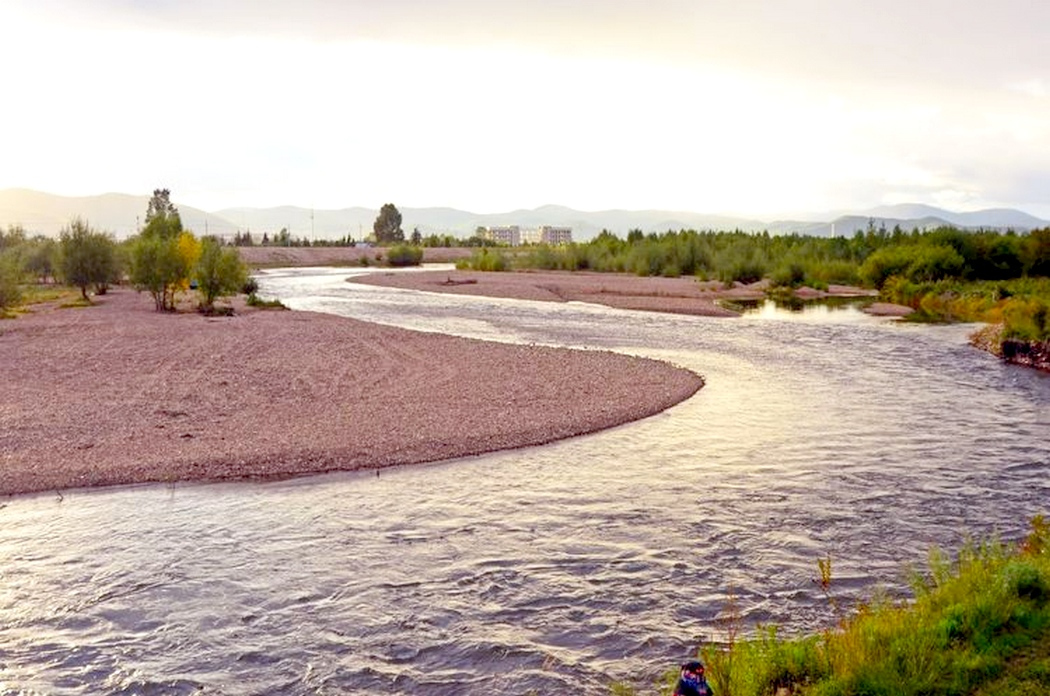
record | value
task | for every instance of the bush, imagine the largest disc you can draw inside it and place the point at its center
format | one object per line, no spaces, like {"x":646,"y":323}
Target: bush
{"x":10,"y":280}
{"x":1026,"y":319}
{"x":485,"y":259}
{"x":219,"y":272}
{"x":255,"y":301}
{"x":404,"y":255}
{"x":745,"y":271}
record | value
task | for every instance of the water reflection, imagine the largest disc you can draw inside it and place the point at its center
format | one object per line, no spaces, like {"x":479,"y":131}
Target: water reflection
{"x":834,"y":309}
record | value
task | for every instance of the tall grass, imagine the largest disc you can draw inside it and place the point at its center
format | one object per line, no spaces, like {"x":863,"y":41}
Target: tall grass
{"x":971,"y":616}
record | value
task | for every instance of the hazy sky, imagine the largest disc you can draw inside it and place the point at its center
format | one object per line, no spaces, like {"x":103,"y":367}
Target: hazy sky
{"x":754,"y":107}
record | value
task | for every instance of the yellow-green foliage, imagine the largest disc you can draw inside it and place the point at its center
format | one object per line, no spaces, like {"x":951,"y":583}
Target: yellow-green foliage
{"x":969,"y":619}
{"x":1022,"y":304}
{"x":1027,"y":319}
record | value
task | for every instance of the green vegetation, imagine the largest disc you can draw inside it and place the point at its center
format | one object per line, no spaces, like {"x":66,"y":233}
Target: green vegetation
{"x":404,"y":255}
{"x":945,"y":274}
{"x":163,"y":254}
{"x":978,"y":626}
{"x":981,"y":620}
{"x":485,"y":259}
{"x":167,"y":260}
{"x":255,"y":301}
{"x":219,"y":272}
{"x":10,"y":283}
{"x":88,"y":257}
{"x":387,"y":227}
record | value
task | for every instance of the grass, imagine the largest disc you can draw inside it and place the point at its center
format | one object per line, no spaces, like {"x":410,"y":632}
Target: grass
{"x":259,"y":303}
{"x":36,"y":294}
{"x":979,"y":625}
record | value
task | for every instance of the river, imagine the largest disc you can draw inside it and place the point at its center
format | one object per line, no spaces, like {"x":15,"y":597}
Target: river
{"x":550,"y":570}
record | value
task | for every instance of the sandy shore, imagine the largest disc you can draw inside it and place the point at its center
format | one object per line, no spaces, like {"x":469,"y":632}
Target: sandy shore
{"x":118,"y":394}
{"x":676,"y":295}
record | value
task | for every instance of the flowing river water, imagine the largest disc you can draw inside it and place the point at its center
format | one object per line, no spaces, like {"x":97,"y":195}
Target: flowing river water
{"x":550,"y":570}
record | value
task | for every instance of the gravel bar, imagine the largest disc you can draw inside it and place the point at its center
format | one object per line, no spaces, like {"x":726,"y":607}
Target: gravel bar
{"x":118,"y":394}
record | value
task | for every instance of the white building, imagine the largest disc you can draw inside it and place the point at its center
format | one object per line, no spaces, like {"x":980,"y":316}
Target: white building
{"x":555,"y":235}
{"x":513,"y":235}
{"x":508,"y":234}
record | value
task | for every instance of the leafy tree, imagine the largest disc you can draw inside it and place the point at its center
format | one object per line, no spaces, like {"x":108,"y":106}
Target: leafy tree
{"x":10,"y":279}
{"x":160,"y":206}
{"x":884,"y":263}
{"x":163,"y":255}
{"x":41,"y":259}
{"x":387,"y":227}
{"x":219,"y":272}
{"x":935,"y":262}
{"x":417,"y":237}
{"x":87,"y":257}
{"x":1037,"y":252}
{"x":15,"y":236}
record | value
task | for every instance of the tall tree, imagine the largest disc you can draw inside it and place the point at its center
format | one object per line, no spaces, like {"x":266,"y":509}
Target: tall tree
{"x":87,"y":257}
{"x":387,"y":227}
{"x":163,"y":255}
{"x":160,"y":206}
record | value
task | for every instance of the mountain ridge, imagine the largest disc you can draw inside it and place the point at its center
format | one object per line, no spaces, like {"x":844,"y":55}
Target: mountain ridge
{"x":122,"y":214}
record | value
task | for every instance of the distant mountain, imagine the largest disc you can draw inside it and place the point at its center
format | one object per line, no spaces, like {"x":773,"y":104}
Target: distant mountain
{"x":993,"y":218}
{"x":118,"y":213}
{"x":910,"y":216}
{"x":848,"y":225}
{"x":44,"y":213}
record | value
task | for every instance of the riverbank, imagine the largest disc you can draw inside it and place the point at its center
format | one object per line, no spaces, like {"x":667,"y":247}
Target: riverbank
{"x":978,"y":625}
{"x":118,"y":394}
{"x":300,"y":257}
{"x":619,"y":290}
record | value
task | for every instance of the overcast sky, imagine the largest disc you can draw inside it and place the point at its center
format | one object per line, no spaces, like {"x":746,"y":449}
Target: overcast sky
{"x":762,"y":108}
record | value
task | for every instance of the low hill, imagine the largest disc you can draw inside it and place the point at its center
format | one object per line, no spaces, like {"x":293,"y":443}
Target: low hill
{"x":121,"y":214}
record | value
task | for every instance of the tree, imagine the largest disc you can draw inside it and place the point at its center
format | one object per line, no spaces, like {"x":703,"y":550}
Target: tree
{"x":387,"y":227}
{"x":219,"y":272}
{"x":86,"y":257}
{"x":15,"y":236}
{"x":160,"y":206}
{"x":1037,"y":252}
{"x":163,"y":255}
{"x":42,"y":258}
{"x":10,"y":279}
{"x":417,"y":237}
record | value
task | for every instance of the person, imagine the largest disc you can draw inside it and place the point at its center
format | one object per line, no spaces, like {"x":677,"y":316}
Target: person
{"x":691,"y":681}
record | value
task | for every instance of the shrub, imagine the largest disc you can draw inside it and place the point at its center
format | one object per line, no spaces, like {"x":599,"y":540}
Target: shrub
{"x":255,"y":301}
{"x":10,"y":280}
{"x":404,"y":255}
{"x":219,"y":272}
{"x":485,"y":259}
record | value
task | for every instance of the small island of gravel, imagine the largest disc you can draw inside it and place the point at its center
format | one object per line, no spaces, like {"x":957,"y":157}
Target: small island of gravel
{"x":118,"y":394}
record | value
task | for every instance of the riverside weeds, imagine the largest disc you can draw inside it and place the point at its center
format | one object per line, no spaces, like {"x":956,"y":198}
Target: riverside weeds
{"x":979,"y":625}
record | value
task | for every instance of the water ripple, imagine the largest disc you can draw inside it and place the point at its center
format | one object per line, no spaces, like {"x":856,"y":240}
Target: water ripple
{"x":549,"y":570}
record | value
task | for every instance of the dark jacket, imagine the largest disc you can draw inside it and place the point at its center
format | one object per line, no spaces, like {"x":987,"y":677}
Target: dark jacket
{"x":693,"y":688}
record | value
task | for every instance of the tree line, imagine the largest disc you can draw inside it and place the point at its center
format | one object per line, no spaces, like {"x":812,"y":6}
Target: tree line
{"x":944,"y":274}
{"x":868,"y":258}
{"x":163,"y":259}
